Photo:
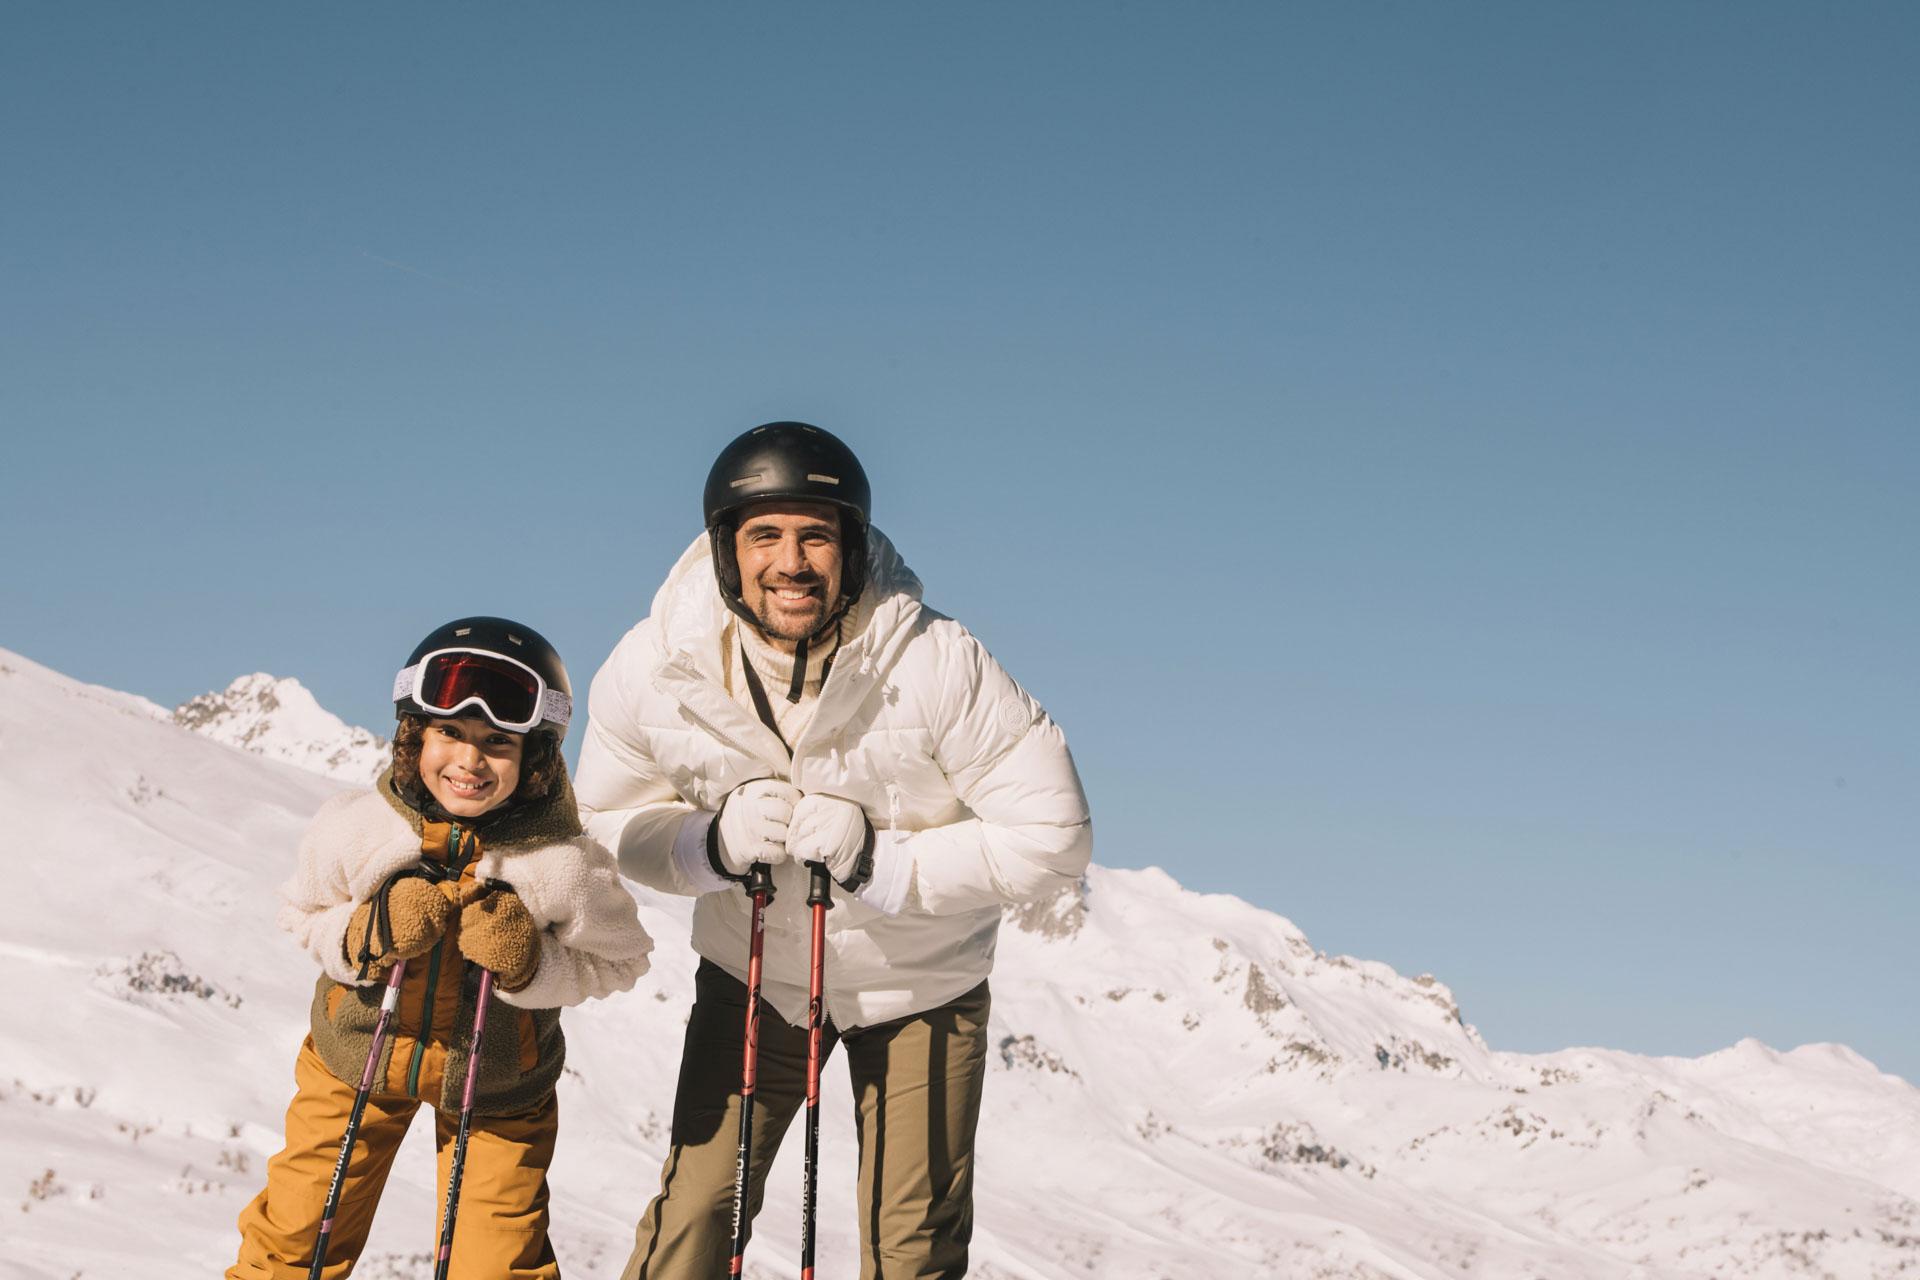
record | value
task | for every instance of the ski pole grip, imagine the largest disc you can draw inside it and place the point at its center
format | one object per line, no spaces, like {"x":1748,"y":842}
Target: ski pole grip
{"x":760,"y":880}
{"x":819,"y":885}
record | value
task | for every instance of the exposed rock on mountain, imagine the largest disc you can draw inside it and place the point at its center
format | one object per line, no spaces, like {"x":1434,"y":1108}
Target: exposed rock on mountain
{"x":279,"y":719}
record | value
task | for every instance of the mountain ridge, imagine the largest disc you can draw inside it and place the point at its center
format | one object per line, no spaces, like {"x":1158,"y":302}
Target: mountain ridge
{"x":278,"y":718}
{"x":1179,"y":1082}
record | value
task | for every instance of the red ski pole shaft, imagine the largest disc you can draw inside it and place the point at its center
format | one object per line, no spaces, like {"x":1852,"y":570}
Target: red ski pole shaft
{"x":387,"y":1003}
{"x":820,"y":898}
{"x":760,"y":889}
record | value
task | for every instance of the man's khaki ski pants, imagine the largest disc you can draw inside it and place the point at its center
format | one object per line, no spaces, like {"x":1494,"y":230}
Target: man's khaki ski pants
{"x":916,"y":1086}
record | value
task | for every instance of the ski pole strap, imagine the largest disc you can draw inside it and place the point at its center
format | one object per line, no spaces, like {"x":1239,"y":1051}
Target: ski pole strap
{"x":863,"y":865}
{"x":713,"y":845}
{"x":380,"y":916}
{"x":758,"y":692}
{"x":862,"y":869}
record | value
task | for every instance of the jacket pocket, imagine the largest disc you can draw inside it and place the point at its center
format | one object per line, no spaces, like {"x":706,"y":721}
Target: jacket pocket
{"x":529,"y":1039}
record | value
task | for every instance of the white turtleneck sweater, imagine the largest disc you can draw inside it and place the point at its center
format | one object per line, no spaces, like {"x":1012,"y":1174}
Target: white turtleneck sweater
{"x":775,"y":668}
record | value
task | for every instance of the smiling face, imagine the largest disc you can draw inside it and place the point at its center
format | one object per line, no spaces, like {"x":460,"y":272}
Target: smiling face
{"x":469,"y":766}
{"x":789,"y":555}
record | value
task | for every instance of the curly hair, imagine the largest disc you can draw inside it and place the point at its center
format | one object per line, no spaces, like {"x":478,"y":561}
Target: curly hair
{"x":541,"y":765}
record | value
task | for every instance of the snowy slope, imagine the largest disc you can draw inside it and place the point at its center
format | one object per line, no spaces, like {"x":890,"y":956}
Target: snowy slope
{"x":281,"y":720}
{"x":1182,"y":1085}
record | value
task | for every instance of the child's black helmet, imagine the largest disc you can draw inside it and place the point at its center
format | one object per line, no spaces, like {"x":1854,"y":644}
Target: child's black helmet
{"x":507,"y":671}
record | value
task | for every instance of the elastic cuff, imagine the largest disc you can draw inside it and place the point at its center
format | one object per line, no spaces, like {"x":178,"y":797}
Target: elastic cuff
{"x":690,"y":853}
{"x":326,"y":935}
{"x":886,"y":892}
{"x":523,"y":977}
{"x":532,"y":967}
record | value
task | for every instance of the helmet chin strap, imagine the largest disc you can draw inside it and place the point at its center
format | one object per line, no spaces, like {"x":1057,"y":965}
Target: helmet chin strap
{"x":800,"y":648}
{"x":736,"y":603}
{"x":799,"y":669}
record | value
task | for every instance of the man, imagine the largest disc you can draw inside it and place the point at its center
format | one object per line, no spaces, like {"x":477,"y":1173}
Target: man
{"x":788,"y":701}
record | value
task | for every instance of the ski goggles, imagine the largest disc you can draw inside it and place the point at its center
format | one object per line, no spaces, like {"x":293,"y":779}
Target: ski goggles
{"x":511,"y":694}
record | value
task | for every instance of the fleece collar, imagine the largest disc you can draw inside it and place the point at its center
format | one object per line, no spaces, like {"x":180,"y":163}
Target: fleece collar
{"x":553,"y":821}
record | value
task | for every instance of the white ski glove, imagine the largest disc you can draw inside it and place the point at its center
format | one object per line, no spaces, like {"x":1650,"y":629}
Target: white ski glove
{"x":752,"y":827}
{"x":834,"y":831}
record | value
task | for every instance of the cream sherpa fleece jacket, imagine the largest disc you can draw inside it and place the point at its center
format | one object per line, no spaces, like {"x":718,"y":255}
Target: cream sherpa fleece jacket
{"x":591,"y":940}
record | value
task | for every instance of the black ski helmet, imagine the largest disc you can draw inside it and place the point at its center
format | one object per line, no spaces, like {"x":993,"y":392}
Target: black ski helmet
{"x":500,"y":637}
{"x":799,"y":462}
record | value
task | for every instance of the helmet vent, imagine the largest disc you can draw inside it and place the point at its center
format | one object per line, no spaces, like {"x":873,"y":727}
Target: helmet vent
{"x":735,"y":484}
{"x":515,"y":639}
{"x":464,"y":631}
{"x":823,"y":479}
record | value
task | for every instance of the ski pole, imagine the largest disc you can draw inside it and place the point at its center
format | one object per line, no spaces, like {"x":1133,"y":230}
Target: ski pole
{"x":445,"y":1258}
{"x":820,"y":898}
{"x":760,"y":888}
{"x":387,"y":1003}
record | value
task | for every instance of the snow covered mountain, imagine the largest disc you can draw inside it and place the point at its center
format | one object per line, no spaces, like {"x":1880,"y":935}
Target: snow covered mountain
{"x":1182,"y":1086}
{"x":281,"y":720}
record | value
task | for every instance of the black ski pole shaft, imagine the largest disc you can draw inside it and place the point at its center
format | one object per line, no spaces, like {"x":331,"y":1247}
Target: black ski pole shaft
{"x":820,"y":898}
{"x":459,"y":1166}
{"x":388,"y":1001}
{"x":760,"y":890}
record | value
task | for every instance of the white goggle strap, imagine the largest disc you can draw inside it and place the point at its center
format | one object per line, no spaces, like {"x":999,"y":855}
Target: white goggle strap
{"x":556,"y":708}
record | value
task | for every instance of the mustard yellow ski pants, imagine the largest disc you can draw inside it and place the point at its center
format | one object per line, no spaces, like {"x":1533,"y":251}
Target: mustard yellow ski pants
{"x":499,"y":1234}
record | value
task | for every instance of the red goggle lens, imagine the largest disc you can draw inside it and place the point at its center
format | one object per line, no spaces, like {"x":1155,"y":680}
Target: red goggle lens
{"x":509,"y":692}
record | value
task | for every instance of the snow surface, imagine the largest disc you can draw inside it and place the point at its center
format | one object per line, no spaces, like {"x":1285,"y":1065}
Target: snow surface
{"x":1182,"y":1086}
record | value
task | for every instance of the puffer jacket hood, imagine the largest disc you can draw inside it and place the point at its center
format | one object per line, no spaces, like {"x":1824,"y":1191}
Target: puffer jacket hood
{"x":966,"y":780}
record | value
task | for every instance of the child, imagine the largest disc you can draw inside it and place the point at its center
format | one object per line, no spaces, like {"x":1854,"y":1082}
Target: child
{"x":466,"y":855}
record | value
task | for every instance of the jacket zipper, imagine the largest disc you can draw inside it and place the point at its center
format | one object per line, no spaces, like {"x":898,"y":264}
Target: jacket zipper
{"x":458,"y":864}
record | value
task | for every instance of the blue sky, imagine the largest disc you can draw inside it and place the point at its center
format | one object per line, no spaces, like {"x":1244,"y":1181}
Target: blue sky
{"x":1450,"y":470}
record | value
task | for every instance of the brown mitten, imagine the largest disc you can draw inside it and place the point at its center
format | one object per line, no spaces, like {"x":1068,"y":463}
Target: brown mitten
{"x":497,"y":933}
{"x":417,"y":912}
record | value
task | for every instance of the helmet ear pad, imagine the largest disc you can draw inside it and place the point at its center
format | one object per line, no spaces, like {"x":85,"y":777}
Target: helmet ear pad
{"x":853,"y":565}
{"x":853,"y":561}
{"x":726,"y":563}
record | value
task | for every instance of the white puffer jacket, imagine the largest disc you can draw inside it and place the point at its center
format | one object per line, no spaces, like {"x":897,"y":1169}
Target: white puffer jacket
{"x":968,"y":783}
